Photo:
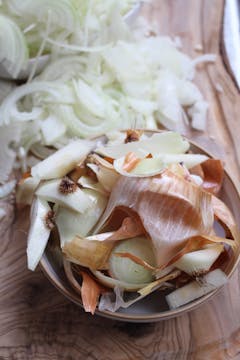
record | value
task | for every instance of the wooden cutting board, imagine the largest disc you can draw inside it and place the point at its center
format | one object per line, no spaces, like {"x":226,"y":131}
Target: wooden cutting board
{"x":37,"y":322}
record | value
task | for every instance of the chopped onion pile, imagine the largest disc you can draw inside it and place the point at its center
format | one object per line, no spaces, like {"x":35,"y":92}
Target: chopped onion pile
{"x":139,"y":83}
{"x":104,"y":73}
{"x":123,"y":231}
{"x":29,"y":26}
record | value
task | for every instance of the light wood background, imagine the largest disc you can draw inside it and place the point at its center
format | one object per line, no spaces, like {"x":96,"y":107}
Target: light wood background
{"x":38,"y":323}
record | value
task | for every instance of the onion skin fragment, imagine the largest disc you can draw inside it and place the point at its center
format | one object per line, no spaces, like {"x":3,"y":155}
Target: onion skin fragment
{"x":91,"y":254}
{"x":94,"y":251}
{"x":89,"y":291}
{"x":212,"y":175}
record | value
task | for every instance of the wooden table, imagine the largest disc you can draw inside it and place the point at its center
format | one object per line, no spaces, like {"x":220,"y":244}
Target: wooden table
{"x":37,"y":322}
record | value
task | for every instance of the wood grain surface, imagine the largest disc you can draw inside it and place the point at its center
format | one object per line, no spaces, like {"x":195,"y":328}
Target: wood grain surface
{"x":37,"y":322}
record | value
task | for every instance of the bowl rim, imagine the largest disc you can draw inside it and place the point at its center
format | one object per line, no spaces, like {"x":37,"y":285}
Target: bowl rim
{"x":143,"y":318}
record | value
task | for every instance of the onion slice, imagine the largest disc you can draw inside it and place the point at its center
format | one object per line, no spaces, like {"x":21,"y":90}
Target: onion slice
{"x":123,"y":268}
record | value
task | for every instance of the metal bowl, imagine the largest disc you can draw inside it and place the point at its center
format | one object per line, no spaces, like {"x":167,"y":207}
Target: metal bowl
{"x":154,"y":307}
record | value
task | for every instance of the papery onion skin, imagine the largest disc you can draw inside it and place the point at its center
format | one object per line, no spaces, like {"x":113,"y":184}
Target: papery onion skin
{"x":170,"y":208}
{"x":91,"y":254}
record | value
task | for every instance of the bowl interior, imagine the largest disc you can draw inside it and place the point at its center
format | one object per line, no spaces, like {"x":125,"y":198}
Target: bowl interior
{"x":153,"y":307}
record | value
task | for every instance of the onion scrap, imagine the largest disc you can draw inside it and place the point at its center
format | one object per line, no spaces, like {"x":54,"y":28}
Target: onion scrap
{"x":137,"y":233}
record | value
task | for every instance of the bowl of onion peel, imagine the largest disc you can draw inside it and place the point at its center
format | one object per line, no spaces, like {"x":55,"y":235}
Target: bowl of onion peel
{"x":139,"y":227}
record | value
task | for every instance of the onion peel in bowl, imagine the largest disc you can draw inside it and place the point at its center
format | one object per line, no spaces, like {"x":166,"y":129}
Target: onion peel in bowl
{"x":153,"y":229}
{"x":212,"y":175}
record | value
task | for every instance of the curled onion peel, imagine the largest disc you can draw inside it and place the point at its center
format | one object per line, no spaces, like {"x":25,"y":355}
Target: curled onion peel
{"x":94,"y":251}
{"x":89,"y":291}
{"x":171,"y":210}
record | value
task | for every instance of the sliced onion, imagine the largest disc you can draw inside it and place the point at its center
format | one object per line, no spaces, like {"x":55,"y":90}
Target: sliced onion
{"x":52,"y":130}
{"x":9,"y":109}
{"x":14,"y":51}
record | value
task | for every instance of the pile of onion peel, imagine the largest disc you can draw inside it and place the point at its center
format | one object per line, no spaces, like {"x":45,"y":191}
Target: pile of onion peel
{"x":174,"y":209}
